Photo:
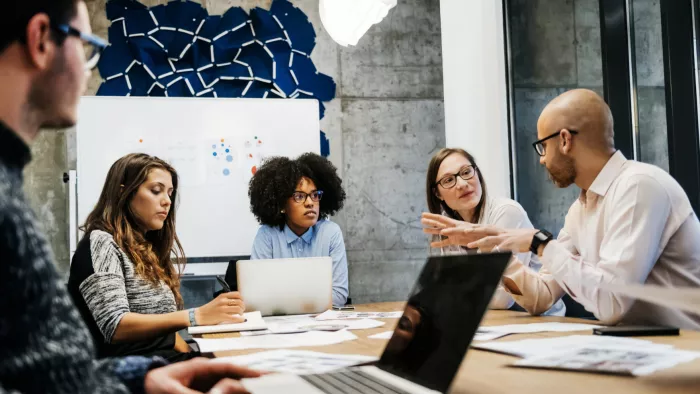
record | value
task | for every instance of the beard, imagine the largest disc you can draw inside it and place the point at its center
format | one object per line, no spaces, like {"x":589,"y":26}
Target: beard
{"x":52,"y":97}
{"x":562,"y":172}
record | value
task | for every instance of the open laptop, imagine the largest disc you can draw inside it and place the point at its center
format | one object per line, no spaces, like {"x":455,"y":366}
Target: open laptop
{"x":430,"y":341}
{"x":286,"y":286}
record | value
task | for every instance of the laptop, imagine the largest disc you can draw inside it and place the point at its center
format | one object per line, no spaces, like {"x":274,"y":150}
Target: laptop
{"x":286,"y":286}
{"x":430,"y":341}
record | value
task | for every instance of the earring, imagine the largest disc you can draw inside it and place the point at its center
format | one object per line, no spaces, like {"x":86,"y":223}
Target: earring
{"x":282,"y":211}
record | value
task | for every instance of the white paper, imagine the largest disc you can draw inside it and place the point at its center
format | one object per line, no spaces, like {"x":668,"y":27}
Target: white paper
{"x":275,"y":341}
{"x":544,"y":346}
{"x":382,"y":335}
{"x":342,"y":315}
{"x":254,"y":321}
{"x":537,"y":327}
{"x":488,"y":336}
{"x":611,"y":360}
{"x":290,"y":327}
{"x":681,"y":298}
{"x":298,"y":362}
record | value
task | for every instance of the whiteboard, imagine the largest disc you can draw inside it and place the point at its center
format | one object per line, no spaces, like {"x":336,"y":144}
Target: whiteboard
{"x":213,"y":144}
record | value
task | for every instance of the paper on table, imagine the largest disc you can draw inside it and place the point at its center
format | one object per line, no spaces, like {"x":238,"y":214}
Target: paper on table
{"x":682,"y":298}
{"x":289,"y":327}
{"x":382,"y":335}
{"x":487,"y":336}
{"x":342,"y":315}
{"x":298,"y":362}
{"x":275,"y":341}
{"x":539,"y":347}
{"x":537,"y":327}
{"x":610,"y":360}
{"x":254,"y":321}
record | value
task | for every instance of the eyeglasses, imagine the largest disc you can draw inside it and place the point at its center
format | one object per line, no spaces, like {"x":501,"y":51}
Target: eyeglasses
{"x":92,"y":44}
{"x":539,"y":146}
{"x":450,"y":180}
{"x":300,"y":197}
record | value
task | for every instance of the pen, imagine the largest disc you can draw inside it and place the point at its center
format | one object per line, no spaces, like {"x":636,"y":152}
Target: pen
{"x":223,"y":283}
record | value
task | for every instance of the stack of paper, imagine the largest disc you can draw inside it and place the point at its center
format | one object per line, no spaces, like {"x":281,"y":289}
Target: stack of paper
{"x":275,"y":341}
{"x":302,"y":323}
{"x":611,"y":360}
{"x":298,"y":362}
{"x":342,"y":315}
{"x":590,"y":353}
{"x":253,"y":321}
{"x":539,"y":347}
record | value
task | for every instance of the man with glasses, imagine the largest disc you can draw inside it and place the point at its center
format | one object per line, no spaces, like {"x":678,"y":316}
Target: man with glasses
{"x":46,"y":50}
{"x":632,"y":223}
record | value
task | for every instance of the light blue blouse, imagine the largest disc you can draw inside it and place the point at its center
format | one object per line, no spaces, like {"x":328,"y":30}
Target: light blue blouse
{"x":323,"y":239}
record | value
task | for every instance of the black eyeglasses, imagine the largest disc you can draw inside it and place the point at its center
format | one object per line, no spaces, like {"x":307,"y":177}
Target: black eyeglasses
{"x":92,"y":44}
{"x":539,"y":146}
{"x":300,"y":197}
{"x":450,"y":180}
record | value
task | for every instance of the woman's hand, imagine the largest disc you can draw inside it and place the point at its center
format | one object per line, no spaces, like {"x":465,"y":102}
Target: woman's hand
{"x":226,"y":308}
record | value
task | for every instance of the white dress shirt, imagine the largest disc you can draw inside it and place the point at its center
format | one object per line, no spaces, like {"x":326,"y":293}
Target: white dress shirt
{"x":635,"y":224}
{"x":506,"y":213}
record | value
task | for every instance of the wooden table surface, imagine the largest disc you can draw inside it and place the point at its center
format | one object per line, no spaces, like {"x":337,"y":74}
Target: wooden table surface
{"x":487,"y":372}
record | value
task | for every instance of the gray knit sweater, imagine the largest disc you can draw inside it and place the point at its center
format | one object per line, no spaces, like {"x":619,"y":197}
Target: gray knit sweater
{"x":44,"y":345}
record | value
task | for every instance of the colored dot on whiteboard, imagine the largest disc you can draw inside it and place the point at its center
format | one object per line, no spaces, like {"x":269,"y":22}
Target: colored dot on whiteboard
{"x":222,"y":140}
{"x":227,"y":150}
{"x":141,"y":140}
{"x":222,"y":144}
{"x":259,"y":142}
{"x":227,"y":172}
{"x":251,"y":156}
{"x":256,"y":137}
{"x":213,"y":146}
{"x":214,"y":153}
{"x":254,"y":170}
{"x":229,"y":158}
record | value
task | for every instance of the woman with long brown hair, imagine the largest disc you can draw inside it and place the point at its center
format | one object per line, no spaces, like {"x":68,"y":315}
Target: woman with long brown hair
{"x":455,"y":187}
{"x":125,"y":273}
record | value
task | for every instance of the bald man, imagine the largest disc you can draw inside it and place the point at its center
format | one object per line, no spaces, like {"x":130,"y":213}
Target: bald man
{"x":632,"y":223}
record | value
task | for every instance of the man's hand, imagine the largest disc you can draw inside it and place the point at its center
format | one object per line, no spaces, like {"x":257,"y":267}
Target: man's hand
{"x":198,"y":375}
{"x":492,"y":240}
{"x":456,"y":232}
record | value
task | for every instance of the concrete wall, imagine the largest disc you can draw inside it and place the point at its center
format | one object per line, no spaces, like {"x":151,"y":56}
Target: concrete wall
{"x":556,"y":47}
{"x":384,"y":125}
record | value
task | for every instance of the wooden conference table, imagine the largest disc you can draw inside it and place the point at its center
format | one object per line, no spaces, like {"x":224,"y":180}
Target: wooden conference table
{"x":486,"y":372}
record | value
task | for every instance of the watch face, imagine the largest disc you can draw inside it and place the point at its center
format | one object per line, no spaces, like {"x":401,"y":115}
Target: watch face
{"x":544,"y":235}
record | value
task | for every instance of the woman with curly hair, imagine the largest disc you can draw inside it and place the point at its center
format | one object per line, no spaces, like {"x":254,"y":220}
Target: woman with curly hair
{"x":123,"y":276}
{"x":292,"y":199}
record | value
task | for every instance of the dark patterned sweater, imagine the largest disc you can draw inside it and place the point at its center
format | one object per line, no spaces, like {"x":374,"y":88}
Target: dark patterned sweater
{"x":44,"y":345}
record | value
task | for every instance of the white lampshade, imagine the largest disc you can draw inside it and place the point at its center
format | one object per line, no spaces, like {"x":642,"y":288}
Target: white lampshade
{"x":346,"y":21}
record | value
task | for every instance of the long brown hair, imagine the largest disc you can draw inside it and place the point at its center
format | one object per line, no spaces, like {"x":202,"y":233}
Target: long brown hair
{"x":154,"y":252}
{"x":435,"y":205}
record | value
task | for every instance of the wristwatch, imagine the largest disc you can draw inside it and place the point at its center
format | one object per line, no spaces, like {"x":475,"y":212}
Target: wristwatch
{"x":540,"y":238}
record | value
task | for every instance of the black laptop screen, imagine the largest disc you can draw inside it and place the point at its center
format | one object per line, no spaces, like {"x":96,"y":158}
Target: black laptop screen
{"x":443,"y":312}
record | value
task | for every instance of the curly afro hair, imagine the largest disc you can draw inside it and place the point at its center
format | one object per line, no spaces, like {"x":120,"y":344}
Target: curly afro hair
{"x":277,"y":179}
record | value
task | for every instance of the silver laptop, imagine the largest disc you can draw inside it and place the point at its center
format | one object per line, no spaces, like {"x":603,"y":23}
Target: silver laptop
{"x":430,"y":341}
{"x":286,"y":286}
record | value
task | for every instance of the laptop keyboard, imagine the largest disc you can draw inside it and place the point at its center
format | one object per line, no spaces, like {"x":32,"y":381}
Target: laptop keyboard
{"x":351,"y":381}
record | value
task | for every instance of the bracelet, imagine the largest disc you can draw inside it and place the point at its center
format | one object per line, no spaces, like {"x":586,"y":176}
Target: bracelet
{"x":193,"y":321}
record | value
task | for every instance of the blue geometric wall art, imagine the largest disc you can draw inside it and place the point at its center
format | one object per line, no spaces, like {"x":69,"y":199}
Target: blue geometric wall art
{"x":179,"y":50}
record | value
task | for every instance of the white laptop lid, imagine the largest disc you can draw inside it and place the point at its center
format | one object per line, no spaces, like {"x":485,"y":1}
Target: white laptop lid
{"x":286,"y":286}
